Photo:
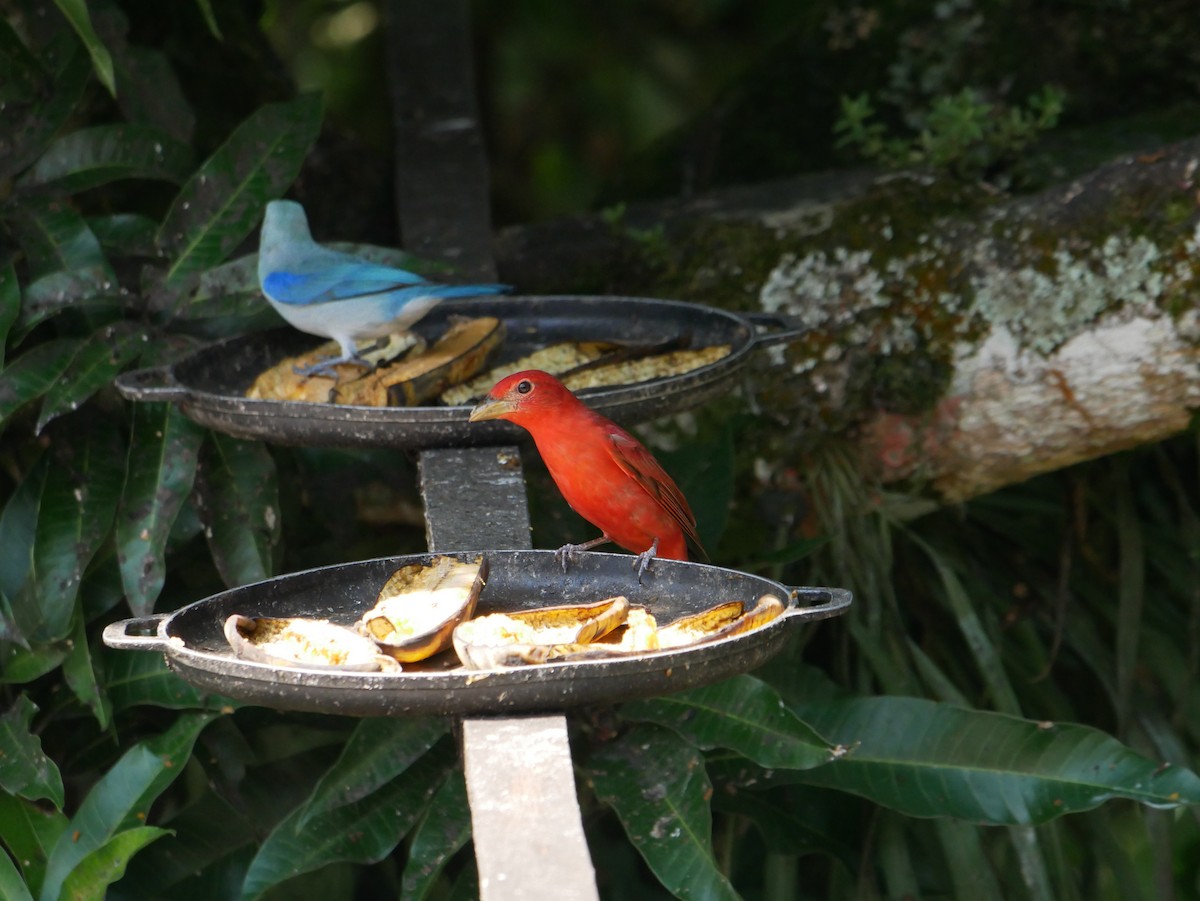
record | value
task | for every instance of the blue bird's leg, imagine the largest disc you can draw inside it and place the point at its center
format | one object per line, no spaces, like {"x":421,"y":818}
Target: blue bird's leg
{"x":328,"y":366}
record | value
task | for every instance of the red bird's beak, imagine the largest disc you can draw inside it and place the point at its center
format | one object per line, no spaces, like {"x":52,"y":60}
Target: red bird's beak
{"x":492,"y":408}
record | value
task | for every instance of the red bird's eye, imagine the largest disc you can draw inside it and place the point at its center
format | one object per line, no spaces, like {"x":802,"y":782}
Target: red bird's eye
{"x":524,"y":386}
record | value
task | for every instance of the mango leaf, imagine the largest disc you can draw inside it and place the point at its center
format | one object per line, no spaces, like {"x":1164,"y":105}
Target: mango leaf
{"x":362,"y":832}
{"x":95,"y":364}
{"x":122,"y":797}
{"x":135,"y":679}
{"x":125,"y":234}
{"x":19,"y":665}
{"x":10,"y":304}
{"x":239,"y":497}
{"x":95,"y":156}
{"x":24,"y":769}
{"x":93,"y":875}
{"x":101,"y":590}
{"x":76,"y":12}
{"x":30,"y":831}
{"x":78,"y":504}
{"x":790,"y":827}
{"x":378,"y":751}
{"x":210,"y":18}
{"x":656,"y":783}
{"x":18,"y":524}
{"x":928,"y":759}
{"x":149,"y":91}
{"x":20,"y":74}
{"x":81,"y":676}
{"x":442,"y":832}
{"x":28,"y":136}
{"x":12,"y":886}
{"x":742,"y":714}
{"x":224,"y":200}
{"x":161,"y":467}
{"x":33,"y":373}
{"x":56,"y":238}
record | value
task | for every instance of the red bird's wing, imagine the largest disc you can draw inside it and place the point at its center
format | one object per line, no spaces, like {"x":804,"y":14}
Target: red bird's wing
{"x":640,"y":466}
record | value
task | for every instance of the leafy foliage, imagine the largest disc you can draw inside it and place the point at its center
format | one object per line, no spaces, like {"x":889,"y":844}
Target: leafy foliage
{"x":962,"y":134}
{"x":1031,"y":655}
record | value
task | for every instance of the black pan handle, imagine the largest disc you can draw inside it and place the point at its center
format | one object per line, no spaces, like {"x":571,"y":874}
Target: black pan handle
{"x":156,"y":383}
{"x":141,"y":633}
{"x":787,"y":328}
{"x":819,"y":603}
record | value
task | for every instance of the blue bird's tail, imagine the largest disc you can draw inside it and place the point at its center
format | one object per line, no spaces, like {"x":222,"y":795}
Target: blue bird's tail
{"x":445,"y":291}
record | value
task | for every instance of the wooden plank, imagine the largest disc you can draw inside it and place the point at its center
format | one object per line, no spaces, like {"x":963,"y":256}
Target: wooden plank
{"x":442,"y":182}
{"x":525,"y":818}
{"x":474,"y":498}
{"x":528,"y":831}
{"x":529,"y":841}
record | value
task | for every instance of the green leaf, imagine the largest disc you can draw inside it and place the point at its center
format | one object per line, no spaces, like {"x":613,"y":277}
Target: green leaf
{"x":12,"y":886}
{"x":33,"y":373}
{"x":362,"y":832}
{"x":970,"y":869}
{"x":161,"y":467}
{"x":81,"y":676}
{"x":379,"y":750}
{"x":210,"y":18}
{"x":224,"y":200}
{"x":928,"y":759}
{"x":10,"y":304}
{"x":122,"y":797}
{"x":78,"y":504}
{"x":95,"y":364}
{"x":20,"y":74}
{"x":19,"y":666}
{"x":24,"y":769}
{"x":743,"y":714}
{"x":442,"y":832}
{"x":135,"y":679}
{"x":983,"y":648}
{"x":93,"y":875}
{"x":149,"y":91}
{"x":95,"y":156}
{"x":18,"y":525}
{"x":28,"y":136}
{"x":30,"y":831}
{"x":657,"y":785}
{"x":239,"y":496}
{"x":125,"y":234}
{"x":786,"y":827}
{"x":1131,"y":593}
{"x":76,"y":12}
{"x":56,"y":239}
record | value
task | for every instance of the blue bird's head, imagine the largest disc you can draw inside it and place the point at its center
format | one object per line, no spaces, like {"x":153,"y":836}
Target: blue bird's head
{"x":284,"y":222}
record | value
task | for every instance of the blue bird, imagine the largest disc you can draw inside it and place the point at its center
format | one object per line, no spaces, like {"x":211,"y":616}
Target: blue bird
{"x":338,"y":295}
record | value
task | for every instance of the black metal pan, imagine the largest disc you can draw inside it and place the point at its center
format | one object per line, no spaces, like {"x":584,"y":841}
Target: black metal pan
{"x":193,"y":641}
{"x":209,"y":386}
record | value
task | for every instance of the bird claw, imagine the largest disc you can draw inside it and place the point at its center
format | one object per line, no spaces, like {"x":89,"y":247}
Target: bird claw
{"x":566,"y":555}
{"x":569,"y":553}
{"x":328,"y":366}
{"x":642,"y":561}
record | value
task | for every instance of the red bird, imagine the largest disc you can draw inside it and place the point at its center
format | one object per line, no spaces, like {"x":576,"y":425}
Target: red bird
{"x":603,"y":472}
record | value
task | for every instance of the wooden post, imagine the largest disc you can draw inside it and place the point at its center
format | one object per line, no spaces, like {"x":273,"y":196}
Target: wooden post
{"x":528,"y":833}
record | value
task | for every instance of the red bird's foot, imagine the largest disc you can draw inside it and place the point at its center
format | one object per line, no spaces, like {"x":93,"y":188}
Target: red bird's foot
{"x":642,"y":560}
{"x":569,"y":553}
